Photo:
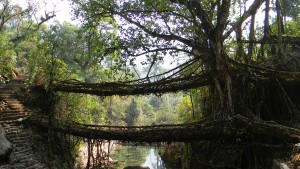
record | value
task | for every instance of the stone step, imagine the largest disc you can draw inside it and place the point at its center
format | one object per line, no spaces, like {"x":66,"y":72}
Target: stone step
{"x":15,"y":108}
{"x":14,"y":111}
{"x":18,"y":166}
{"x":5,"y":167}
{"x":28,"y":154}
{"x":20,"y":147}
{"x":36,"y":166}
{"x":9,"y":130}
{"x":12,"y":101}
{"x":22,"y":142}
{"x":6,"y":96}
{"x":11,"y":118}
{"x":23,"y":134}
{"x":23,"y":137}
{"x":5,"y":90}
{"x":14,"y":104}
{"x":13,"y":114}
{"x":24,"y":115}
{"x":19,"y":141}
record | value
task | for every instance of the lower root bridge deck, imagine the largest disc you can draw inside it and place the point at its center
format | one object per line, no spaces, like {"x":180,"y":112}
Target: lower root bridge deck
{"x":232,"y":128}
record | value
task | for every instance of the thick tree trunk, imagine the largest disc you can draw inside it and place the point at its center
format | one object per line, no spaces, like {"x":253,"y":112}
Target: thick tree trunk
{"x":240,"y":50}
{"x":280,"y":30}
{"x":225,"y":93}
{"x":266,"y":22}
{"x":251,"y":39}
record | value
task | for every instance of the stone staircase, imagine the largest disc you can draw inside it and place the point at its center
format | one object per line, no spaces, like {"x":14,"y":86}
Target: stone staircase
{"x":22,"y":156}
{"x":14,"y":110}
{"x":11,"y":117}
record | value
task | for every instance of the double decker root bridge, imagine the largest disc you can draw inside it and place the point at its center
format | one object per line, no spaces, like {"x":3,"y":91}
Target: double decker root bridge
{"x":228,"y":128}
{"x":236,"y":127}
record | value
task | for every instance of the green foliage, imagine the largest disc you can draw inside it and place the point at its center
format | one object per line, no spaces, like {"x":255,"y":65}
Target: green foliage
{"x":184,"y":110}
{"x":291,"y":8}
{"x":190,"y":107}
{"x":7,"y":56}
{"x":132,"y":113}
{"x":147,"y":113}
{"x":128,"y":40}
{"x":292,"y":28}
{"x":81,"y":108}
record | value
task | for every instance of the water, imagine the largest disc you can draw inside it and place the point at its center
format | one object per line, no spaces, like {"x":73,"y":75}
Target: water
{"x":153,"y":160}
{"x":145,"y":156}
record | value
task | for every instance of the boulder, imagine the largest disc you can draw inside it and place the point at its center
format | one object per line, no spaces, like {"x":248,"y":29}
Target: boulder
{"x":5,"y":146}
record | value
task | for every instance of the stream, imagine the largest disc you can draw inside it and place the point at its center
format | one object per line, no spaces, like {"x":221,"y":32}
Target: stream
{"x":145,"y":156}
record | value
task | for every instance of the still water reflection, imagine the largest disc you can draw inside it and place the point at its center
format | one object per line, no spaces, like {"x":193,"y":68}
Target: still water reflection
{"x":145,"y":156}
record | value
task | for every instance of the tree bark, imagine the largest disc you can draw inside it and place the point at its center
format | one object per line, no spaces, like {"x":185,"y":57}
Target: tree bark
{"x":251,"y":39}
{"x":280,"y":30}
{"x":240,"y":50}
{"x":266,"y":22}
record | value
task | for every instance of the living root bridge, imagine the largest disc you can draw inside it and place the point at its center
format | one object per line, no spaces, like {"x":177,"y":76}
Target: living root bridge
{"x":138,"y":87}
{"x":181,"y":83}
{"x":232,"y":128}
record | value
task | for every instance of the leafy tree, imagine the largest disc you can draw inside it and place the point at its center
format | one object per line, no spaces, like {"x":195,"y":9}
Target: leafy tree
{"x":81,"y":108}
{"x":185,"y":110}
{"x":181,"y":29}
{"x":17,"y":24}
{"x":291,"y":8}
{"x":132,"y":113}
{"x":147,"y":113}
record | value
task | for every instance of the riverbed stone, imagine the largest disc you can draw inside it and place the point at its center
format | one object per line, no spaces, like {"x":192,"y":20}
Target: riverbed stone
{"x":5,"y":146}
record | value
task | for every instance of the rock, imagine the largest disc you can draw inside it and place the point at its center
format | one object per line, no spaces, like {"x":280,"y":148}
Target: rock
{"x":5,"y":146}
{"x":279,"y":165}
{"x":296,"y":148}
{"x":173,"y":154}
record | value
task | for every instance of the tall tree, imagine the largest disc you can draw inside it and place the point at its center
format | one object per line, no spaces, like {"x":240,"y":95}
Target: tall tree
{"x":16,"y":25}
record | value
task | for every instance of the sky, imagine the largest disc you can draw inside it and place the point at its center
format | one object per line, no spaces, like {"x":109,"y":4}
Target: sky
{"x":62,"y":9}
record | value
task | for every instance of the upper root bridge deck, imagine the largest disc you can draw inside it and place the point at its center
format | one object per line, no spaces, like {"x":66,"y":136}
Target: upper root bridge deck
{"x":174,"y":84}
{"x":138,"y":87}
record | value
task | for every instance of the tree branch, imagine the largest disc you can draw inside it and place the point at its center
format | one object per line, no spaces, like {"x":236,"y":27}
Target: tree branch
{"x":157,"y":35}
{"x":252,"y":10}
